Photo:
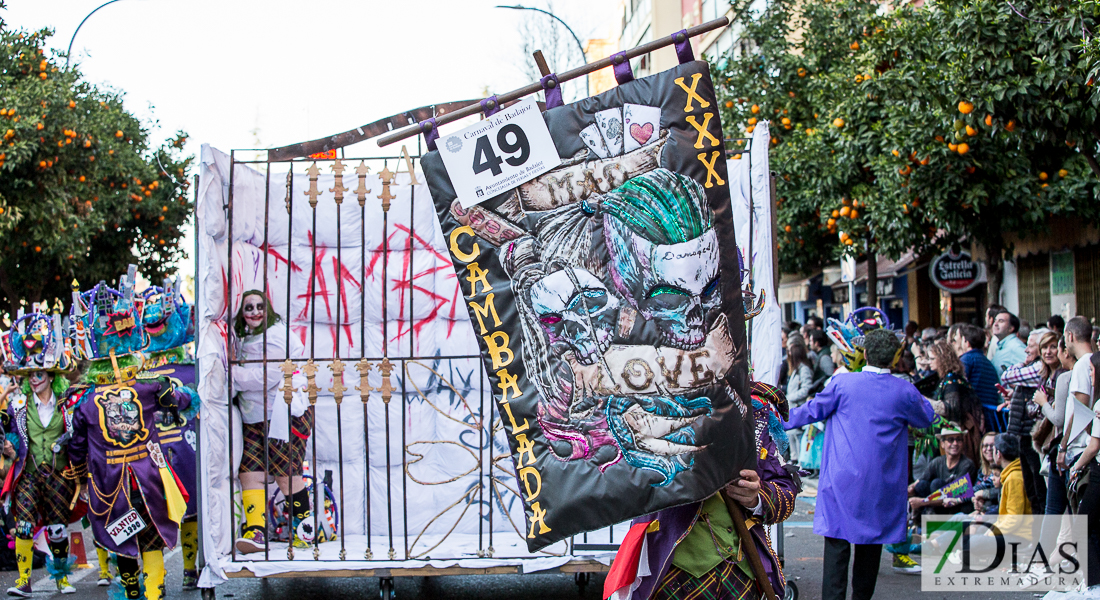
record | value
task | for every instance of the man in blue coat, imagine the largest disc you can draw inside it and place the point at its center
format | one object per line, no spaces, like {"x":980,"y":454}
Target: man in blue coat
{"x":864,"y":468}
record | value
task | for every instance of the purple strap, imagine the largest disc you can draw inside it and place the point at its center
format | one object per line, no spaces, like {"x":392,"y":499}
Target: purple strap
{"x":623,"y":72}
{"x":552,"y":86}
{"x":430,"y":129}
{"x":683,"y":46}
{"x":490,"y":106}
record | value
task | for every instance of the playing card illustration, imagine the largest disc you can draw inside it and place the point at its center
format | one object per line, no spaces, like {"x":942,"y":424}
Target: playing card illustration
{"x":610,"y":122}
{"x":642,"y":124}
{"x":591,"y":137}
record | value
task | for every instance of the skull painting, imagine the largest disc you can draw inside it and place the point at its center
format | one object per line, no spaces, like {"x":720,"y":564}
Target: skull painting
{"x":121,"y":417}
{"x":575,"y":308}
{"x":664,"y":254}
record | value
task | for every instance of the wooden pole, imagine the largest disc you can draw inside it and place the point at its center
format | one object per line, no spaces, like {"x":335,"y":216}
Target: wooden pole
{"x":582,"y":71}
{"x":750,"y":547}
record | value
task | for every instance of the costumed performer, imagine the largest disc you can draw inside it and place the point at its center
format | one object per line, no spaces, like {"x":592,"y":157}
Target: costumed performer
{"x":136,"y":502}
{"x":694,"y":550}
{"x":43,"y":485}
{"x":169,"y":321}
{"x":864,"y":474}
{"x":260,"y":333}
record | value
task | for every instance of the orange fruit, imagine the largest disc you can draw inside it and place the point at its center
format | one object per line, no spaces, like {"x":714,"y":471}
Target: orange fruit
{"x":939,"y":138}
{"x":895,"y":153}
{"x":963,"y":148}
{"x":855,"y":214}
{"x":854,"y":45}
{"x":1062,"y":172}
{"x":801,"y":72}
{"x":787,"y":228}
{"x":81,"y":179}
{"x":72,"y":104}
{"x":835,"y":213}
{"x":971,"y":131}
{"x":848,"y":242}
{"x":38,"y":248}
{"x":844,"y":212}
{"x":750,"y":128}
{"x":966,"y":107}
{"x":989,"y":120}
{"x":1043,"y":176}
{"x":786,"y":121}
{"x":755,"y":108}
{"x":42,"y":164}
{"x":952,"y":147}
{"x":904,"y":208}
{"x":1010,"y":126}
{"x":729,"y":103}
{"x":924,"y":161}
{"x":752,"y":120}
{"x":831,"y":222}
{"x":42,"y":76}
{"x":40,"y":127}
{"x":838,"y":122}
{"x":118,"y":133}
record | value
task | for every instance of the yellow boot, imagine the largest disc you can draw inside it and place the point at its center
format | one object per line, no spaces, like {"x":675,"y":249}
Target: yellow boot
{"x":153,"y":565}
{"x":189,"y":539}
{"x":104,"y":567}
{"x":24,"y":553}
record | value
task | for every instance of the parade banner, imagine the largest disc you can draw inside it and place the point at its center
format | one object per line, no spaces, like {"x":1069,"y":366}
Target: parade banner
{"x":605,"y":295}
{"x":957,"y":489}
{"x":750,"y":188}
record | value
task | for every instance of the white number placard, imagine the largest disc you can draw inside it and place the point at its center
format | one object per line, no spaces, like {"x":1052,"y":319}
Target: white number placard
{"x":499,"y":153}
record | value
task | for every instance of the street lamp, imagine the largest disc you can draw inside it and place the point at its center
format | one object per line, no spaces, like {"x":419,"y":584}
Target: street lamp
{"x":564,"y":24}
{"x":69,"y":52}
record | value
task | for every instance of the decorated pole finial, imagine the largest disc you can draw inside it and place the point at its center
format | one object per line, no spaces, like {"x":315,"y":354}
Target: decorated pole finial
{"x":386,"y":196}
{"x":338,"y":188}
{"x":362,"y":191}
{"x":313,"y":192}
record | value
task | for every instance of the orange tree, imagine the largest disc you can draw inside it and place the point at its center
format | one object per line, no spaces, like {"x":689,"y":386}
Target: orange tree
{"x":83,"y":192}
{"x":915,"y":128}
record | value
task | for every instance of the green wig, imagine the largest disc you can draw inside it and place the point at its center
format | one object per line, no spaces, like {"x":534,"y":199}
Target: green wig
{"x":59,"y":385}
{"x":241,"y":328}
{"x":661,"y":206}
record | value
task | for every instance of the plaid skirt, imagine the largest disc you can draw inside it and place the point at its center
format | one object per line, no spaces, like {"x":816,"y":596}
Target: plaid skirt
{"x":284,"y":459}
{"x":43,"y":494}
{"x":724,"y":582}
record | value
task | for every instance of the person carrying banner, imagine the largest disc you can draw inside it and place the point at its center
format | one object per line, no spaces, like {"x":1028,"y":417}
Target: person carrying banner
{"x":695,"y":550}
{"x":867,"y":416}
{"x":136,"y":501}
{"x":170,"y":324}
{"x":40,"y":483}
{"x":259,"y":332}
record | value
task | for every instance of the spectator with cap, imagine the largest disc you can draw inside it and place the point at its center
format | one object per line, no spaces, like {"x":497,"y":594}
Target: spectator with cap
{"x":1010,"y":351}
{"x":944,"y":469}
{"x":864,"y":474}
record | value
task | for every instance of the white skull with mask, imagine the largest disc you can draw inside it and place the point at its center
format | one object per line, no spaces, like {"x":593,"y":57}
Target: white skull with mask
{"x":664,"y":254}
{"x":576,"y":309}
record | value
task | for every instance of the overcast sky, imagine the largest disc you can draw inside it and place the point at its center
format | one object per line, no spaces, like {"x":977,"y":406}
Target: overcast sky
{"x":292,"y":71}
{"x":264,"y":73}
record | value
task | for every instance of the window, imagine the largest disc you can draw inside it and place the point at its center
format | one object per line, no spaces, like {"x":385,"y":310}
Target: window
{"x":1033,"y":283}
{"x":1061,"y":273}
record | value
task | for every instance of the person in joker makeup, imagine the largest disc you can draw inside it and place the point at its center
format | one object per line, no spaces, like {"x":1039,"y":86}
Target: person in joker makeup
{"x":265,"y":416}
{"x":40,"y":482}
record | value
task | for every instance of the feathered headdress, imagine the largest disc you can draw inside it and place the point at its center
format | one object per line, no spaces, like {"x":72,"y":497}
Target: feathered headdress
{"x":848,"y":336}
{"x":106,"y":321}
{"x":166,"y":317}
{"x":36,"y":342}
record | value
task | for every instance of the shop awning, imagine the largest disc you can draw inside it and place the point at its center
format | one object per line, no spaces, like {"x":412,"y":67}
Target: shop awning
{"x":794,"y":288}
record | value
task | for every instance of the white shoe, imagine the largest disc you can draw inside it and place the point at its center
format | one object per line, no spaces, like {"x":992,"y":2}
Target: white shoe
{"x":103,"y":582}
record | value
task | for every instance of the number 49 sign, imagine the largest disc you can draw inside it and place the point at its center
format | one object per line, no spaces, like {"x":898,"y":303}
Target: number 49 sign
{"x":498,"y":154}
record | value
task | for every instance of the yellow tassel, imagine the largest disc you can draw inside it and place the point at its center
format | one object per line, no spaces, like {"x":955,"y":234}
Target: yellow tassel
{"x":177,"y":506}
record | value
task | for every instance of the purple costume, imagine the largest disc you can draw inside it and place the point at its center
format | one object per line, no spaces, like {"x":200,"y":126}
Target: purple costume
{"x":178,"y":433}
{"x":113,"y":433}
{"x":778,"y":489}
{"x":864,"y":467}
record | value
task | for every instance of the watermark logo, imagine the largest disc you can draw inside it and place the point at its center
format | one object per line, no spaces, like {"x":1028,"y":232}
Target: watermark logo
{"x":965,"y":553}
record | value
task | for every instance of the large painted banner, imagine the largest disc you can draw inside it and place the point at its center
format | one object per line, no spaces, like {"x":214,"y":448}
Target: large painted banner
{"x":606,"y":299}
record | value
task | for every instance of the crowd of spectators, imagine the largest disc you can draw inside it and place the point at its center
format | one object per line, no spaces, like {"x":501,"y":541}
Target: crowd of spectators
{"x":1015,"y":408}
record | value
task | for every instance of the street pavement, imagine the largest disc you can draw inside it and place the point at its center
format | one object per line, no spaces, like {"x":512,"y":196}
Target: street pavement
{"x":802,"y":552}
